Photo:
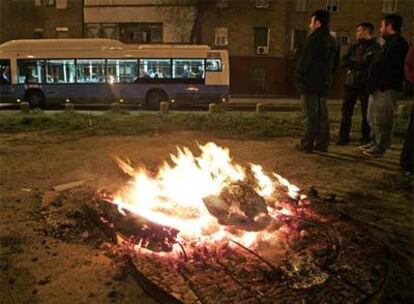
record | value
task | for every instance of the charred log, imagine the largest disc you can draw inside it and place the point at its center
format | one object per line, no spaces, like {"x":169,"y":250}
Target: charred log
{"x":131,"y":226}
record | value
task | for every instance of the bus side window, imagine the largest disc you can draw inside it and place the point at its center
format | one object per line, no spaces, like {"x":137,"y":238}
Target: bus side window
{"x":188,"y":68}
{"x":213,"y":65}
{"x":154,"y":68}
{"x":121,"y":70}
{"x":90,"y":71}
{"x":60,"y":71}
{"x":5,"y":74}
{"x":30,"y":71}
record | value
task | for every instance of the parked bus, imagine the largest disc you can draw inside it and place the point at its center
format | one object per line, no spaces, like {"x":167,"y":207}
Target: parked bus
{"x":85,"y":71}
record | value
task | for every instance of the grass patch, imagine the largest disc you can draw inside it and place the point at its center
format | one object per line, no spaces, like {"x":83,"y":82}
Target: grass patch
{"x":247,"y":125}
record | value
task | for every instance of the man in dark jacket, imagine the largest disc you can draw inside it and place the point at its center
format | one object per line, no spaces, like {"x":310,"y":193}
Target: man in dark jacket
{"x":385,"y":84}
{"x":357,"y":61}
{"x":313,"y":74}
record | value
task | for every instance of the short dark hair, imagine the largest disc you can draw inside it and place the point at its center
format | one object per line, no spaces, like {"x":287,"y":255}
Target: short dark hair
{"x":322,"y":16}
{"x":368,"y":26}
{"x":395,"y":21}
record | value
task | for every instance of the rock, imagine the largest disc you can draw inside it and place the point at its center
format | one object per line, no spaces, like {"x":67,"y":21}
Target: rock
{"x":48,"y":198}
{"x":44,"y":281}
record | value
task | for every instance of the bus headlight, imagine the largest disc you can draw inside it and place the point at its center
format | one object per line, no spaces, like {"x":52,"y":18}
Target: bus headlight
{"x":172,"y":100}
{"x":67,"y":100}
{"x":18,"y":100}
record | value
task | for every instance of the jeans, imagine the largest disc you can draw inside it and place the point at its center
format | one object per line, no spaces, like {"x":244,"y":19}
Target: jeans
{"x":381,"y":108}
{"x":315,"y":122}
{"x":348,"y":104}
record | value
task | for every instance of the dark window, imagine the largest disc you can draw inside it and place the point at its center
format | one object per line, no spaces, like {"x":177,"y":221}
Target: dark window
{"x":90,"y":71}
{"x":122,"y":70}
{"x":155,"y":68}
{"x":332,"y":6}
{"x":5,"y":74}
{"x":31,"y":71}
{"x":213,"y":65}
{"x":299,"y":39}
{"x":38,"y":34}
{"x":261,"y":36}
{"x":50,"y":3}
{"x":262,"y":3}
{"x":188,"y":68}
{"x":60,"y":71}
{"x":141,"y":32}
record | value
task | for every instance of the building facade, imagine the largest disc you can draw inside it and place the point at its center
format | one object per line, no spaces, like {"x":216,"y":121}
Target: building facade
{"x":263,"y":37}
{"x":36,"y":19}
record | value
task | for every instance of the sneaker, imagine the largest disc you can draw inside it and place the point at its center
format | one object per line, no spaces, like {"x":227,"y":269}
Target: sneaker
{"x":373,"y":152}
{"x":366,"y":146}
{"x":299,"y":147}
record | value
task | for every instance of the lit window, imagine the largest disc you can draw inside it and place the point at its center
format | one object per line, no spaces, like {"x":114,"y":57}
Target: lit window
{"x":389,"y":6}
{"x":30,"y":71}
{"x":122,"y":70}
{"x":154,"y":68}
{"x":5,"y":74}
{"x":60,"y":71}
{"x":213,"y":65}
{"x":221,"y":36}
{"x":90,"y":71}
{"x":188,"y":68}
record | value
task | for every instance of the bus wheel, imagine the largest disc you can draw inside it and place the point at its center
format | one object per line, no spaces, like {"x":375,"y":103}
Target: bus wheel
{"x":36,"y":99}
{"x":154,"y":99}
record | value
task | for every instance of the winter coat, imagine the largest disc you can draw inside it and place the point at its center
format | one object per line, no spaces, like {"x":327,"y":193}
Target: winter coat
{"x":387,"y":70}
{"x":317,"y":62}
{"x":357,"y":62}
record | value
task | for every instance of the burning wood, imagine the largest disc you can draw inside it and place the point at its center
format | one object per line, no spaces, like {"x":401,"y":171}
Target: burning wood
{"x":239,"y":205}
{"x":132,"y":227}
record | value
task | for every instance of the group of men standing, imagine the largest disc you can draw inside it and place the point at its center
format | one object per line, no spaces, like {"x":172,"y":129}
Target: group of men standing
{"x":374,"y":75}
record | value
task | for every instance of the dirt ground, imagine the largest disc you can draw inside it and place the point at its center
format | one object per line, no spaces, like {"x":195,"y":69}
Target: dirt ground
{"x":42,"y":269}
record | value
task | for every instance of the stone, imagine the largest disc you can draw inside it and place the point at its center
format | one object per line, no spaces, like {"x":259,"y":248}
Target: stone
{"x":69,"y":107}
{"x":164,"y":107}
{"x":115,"y":107}
{"x":213,"y":108}
{"x":25,"y":107}
{"x":260,"y":108}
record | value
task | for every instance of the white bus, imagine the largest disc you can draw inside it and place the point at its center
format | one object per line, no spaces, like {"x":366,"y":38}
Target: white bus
{"x":54,"y":71}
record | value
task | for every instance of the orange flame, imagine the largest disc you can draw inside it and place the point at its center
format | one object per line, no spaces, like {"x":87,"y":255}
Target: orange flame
{"x":174,"y":195}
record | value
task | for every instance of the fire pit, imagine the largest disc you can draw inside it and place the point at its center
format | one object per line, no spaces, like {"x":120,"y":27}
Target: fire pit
{"x":203,"y":229}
